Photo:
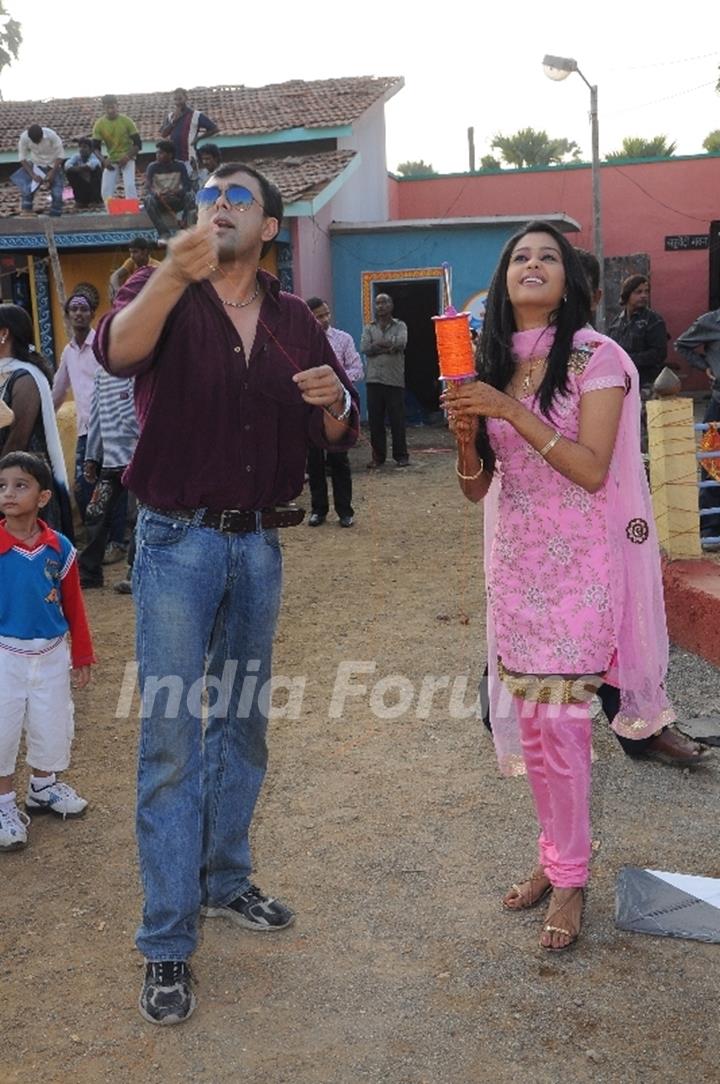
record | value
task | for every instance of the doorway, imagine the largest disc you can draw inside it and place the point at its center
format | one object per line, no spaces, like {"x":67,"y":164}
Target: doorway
{"x":415,"y":302}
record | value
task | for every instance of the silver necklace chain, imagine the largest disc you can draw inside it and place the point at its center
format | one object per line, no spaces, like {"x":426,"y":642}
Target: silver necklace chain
{"x":242,"y":304}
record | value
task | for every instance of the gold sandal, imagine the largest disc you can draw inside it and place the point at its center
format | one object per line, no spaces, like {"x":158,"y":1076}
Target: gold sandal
{"x":529,"y":893}
{"x":559,"y":913}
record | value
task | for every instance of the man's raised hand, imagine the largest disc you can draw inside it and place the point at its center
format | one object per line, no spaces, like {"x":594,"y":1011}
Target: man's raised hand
{"x":192,"y":254}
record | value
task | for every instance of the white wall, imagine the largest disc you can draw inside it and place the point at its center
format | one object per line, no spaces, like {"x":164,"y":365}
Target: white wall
{"x":312,"y":271}
{"x":364,"y":197}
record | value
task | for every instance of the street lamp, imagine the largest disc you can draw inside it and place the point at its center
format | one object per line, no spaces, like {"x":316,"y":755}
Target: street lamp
{"x":557,"y":68}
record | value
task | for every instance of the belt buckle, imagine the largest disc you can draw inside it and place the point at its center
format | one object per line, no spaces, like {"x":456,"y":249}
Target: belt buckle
{"x":224,"y":516}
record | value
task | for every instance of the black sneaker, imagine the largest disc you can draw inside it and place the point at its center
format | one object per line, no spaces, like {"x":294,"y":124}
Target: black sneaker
{"x":254,"y":911}
{"x":166,"y":997}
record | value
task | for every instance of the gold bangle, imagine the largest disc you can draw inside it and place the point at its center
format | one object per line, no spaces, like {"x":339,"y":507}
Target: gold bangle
{"x":550,"y":444}
{"x":470,"y":477}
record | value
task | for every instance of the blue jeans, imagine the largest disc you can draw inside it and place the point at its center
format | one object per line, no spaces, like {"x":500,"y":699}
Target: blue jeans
{"x":207,"y":605}
{"x":23,"y":182}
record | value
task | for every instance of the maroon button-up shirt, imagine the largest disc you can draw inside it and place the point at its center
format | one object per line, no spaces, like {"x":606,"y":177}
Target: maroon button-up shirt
{"x":216,"y":431}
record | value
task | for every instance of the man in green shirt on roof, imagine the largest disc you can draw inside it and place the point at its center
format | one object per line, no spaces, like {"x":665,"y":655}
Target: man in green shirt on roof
{"x":122,"y":144}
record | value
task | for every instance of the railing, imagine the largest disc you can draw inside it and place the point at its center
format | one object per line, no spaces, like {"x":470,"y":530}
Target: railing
{"x":707,"y":541}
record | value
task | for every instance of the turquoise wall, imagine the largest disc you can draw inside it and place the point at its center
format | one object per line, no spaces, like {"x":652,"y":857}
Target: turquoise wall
{"x":472,"y":252}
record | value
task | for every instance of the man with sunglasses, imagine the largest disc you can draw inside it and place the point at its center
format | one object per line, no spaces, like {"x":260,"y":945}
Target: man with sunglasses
{"x":233,"y":379}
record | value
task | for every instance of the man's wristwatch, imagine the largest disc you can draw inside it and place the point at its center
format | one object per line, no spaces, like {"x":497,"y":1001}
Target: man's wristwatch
{"x":345,"y":409}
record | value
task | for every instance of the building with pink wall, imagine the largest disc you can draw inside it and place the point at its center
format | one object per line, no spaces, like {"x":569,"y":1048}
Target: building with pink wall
{"x":643,"y":202}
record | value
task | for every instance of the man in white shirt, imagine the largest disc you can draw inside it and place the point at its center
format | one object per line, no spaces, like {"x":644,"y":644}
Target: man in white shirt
{"x":77,"y":372}
{"x":41,"y":154}
{"x":338,"y":463}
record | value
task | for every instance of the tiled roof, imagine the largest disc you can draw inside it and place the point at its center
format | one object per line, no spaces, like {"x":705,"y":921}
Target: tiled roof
{"x":236,"y":110}
{"x":300,"y":177}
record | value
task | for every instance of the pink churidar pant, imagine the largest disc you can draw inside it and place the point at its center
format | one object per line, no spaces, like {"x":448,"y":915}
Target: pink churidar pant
{"x":557,"y":750}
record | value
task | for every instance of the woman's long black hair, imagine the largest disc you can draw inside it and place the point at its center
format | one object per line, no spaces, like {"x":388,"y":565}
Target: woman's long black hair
{"x":19,"y":324}
{"x":494,"y":362}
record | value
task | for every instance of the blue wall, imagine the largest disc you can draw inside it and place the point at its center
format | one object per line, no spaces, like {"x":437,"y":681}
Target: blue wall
{"x":472,"y":252}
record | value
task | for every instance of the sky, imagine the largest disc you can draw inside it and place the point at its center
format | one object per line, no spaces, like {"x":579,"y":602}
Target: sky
{"x":464,"y":64}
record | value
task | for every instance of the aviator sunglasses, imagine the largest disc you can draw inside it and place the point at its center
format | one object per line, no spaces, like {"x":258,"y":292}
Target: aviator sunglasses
{"x":236,"y":195}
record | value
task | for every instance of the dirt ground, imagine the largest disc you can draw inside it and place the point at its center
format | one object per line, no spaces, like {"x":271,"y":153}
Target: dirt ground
{"x":391,"y":834}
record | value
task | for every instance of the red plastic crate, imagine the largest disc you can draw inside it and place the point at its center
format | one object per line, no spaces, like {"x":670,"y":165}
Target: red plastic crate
{"x":118,"y":206}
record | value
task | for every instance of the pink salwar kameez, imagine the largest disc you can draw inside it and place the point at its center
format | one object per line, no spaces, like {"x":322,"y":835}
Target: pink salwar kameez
{"x":574,"y":587}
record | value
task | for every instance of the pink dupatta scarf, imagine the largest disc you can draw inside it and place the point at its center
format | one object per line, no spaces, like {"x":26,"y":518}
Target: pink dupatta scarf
{"x":640,"y":663}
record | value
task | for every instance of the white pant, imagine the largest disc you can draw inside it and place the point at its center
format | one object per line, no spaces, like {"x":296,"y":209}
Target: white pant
{"x":110,"y":180}
{"x":35,"y":694}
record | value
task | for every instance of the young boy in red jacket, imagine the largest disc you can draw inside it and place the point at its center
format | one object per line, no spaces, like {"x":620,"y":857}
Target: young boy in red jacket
{"x":40,"y":603}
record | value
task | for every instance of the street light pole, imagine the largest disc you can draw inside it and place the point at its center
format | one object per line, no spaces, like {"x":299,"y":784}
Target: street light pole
{"x":557,"y":68}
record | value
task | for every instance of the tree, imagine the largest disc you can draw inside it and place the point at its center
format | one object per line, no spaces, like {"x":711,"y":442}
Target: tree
{"x":711,"y":142}
{"x":416,"y":169}
{"x":488,"y":162}
{"x":637,"y":147}
{"x":10,"y":37}
{"x":530,"y":148}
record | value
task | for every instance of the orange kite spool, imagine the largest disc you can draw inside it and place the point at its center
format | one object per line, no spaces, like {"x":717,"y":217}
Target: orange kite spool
{"x":454,"y":345}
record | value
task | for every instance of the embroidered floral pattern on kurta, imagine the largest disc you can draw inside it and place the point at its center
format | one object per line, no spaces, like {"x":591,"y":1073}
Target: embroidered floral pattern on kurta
{"x":549,"y":582}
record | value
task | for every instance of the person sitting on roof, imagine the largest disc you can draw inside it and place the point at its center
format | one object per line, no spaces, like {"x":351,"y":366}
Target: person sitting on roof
{"x":41,"y":154}
{"x":209,"y":159}
{"x":167,"y":190}
{"x":84,"y":173}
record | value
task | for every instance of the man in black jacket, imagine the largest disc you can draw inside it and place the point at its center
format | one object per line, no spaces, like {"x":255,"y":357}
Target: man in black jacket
{"x":640,"y":330}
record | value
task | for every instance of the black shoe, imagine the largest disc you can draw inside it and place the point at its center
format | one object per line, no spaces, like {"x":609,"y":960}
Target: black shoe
{"x":123,"y":587}
{"x":316,"y":519}
{"x":254,"y":911}
{"x":166,"y":997}
{"x":402,"y":463}
{"x":88,"y":584}
{"x":346,"y":521}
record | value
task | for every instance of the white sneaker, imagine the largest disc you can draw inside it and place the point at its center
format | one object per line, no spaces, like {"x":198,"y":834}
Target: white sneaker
{"x":56,"y":798}
{"x":114,"y":552}
{"x":13,"y":828}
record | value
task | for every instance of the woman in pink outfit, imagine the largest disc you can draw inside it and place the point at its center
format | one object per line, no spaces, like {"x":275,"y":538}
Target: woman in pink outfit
{"x":571,"y":557}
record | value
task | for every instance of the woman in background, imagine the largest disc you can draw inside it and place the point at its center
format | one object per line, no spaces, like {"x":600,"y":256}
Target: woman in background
{"x":25,"y":383}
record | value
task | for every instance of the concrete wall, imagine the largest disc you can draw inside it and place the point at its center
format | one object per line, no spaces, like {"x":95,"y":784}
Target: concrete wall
{"x":312,"y":272}
{"x":642,"y":204}
{"x":471,"y":252}
{"x":364,"y":196}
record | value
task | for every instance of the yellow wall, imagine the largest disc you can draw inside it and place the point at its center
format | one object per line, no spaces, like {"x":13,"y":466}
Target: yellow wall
{"x":97,"y":267}
{"x":269,"y":262}
{"x":94,"y":267}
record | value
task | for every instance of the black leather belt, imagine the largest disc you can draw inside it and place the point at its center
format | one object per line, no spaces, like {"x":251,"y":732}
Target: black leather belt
{"x":235,"y":520}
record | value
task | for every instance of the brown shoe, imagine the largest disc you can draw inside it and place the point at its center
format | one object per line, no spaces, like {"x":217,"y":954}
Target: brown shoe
{"x":563,"y":920}
{"x":672,"y":747}
{"x":529,"y":893}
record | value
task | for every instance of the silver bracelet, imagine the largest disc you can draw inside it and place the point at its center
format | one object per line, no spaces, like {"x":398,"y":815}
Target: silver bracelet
{"x":345,"y":410}
{"x":550,"y":444}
